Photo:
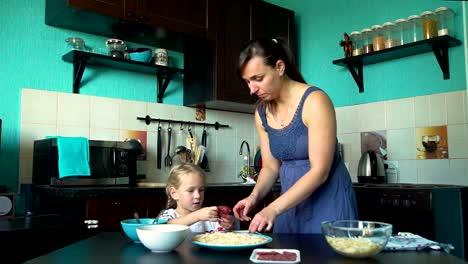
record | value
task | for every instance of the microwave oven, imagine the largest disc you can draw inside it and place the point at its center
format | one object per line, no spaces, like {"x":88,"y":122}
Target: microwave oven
{"x":111,"y":163}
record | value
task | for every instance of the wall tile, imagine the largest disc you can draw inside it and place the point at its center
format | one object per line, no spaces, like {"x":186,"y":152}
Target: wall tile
{"x":73,"y":110}
{"x":351,"y":146}
{"x":421,"y":111}
{"x":455,"y":107}
{"x":31,"y":132}
{"x":408,"y":171}
{"x":459,"y":171}
{"x":104,"y":113}
{"x":25,"y":170}
{"x":401,"y":144}
{"x":129,"y":111}
{"x":38,"y":107}
{"x":400,"y":113}
{"x":434,"y":171}
{"x":457,"y":141}
{"x":72,"y":131}
{"x":347,"y":119}
{"x":104,"y":134}
{"x":437,"y":110}
{"x":372,"y":117}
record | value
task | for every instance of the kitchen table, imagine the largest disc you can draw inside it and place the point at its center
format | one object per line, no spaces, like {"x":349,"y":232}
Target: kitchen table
{"x":115,"y":247}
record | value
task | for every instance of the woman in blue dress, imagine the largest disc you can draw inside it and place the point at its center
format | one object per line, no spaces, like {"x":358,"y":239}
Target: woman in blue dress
{"x":296,"y":125}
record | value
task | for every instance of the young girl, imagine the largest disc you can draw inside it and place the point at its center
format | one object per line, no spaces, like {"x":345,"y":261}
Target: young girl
{"x":185,"y":194}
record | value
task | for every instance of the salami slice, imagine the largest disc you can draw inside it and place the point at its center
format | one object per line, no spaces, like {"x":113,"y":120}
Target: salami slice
{"x":223,"y":211}
{"x":276,"y":256}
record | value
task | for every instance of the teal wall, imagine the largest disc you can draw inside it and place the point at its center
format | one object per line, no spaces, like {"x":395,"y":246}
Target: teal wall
{"x":31,"y":58}
{"x":320,"y":28}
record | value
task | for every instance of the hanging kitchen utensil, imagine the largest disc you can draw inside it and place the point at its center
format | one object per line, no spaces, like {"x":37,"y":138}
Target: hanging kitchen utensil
{"x":168,"y":159}
{"x":191,"y":146}
{"x":204,"y":159}
{"x":159,"y":147}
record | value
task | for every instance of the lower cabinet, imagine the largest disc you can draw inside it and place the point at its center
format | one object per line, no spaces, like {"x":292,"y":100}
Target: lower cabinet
{"x":109,"y":211}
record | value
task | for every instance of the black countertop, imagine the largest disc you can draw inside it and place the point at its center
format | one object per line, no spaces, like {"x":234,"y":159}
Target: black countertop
{"x":115,"y":247}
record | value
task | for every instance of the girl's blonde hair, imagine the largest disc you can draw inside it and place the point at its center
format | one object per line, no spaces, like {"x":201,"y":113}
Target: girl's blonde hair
{"x":175,"y":179}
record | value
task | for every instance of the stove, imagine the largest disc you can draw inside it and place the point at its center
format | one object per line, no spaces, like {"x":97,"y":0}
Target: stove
{"x":435,"y":211}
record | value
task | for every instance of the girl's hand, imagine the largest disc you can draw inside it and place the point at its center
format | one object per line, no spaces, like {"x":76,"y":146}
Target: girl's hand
{"x":227,"y":222}
{"x":207,"y":214}
{"x":263,"y":220}
{"x":244,"y":206}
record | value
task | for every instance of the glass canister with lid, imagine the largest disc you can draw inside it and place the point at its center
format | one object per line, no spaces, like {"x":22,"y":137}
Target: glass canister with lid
{"x":356,"y":38}
{"x":367,"y":40}
{"x":402,"y":27}
{"x":445,"y":26}
{"x":391,"y":35}
{"x":414,"y":28}
{"x":428,"y":24}
{"x":378,"y":39}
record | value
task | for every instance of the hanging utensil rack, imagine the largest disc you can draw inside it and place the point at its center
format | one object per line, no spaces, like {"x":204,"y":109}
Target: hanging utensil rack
{"x":148,"y":119}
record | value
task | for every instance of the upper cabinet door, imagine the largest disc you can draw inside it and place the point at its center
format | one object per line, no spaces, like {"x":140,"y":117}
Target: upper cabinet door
{"x":271,"y":21}
{"x":188,"y":16}
{"x":114,"y":8}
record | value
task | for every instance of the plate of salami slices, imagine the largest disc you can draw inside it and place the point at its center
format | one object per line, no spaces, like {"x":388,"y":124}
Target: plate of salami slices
{"x":268,"y":255}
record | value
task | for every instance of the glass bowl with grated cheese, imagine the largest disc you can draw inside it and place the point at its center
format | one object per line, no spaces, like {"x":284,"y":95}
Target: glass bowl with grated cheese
{"x":356,"y":239}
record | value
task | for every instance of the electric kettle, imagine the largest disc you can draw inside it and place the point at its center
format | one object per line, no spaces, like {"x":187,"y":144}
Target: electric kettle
{"x":371,"y":168}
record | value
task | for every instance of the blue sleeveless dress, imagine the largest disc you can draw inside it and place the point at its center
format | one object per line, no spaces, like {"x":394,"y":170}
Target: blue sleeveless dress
{"x":333,"y":200}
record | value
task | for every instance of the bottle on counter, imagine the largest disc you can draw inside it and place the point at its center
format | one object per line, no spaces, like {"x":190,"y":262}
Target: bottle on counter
{"x":367,"y":40}
{"x":414,"y":25}
{"x":392,"y":38}
{"x":356,"y":38}
{"x":378,"y":38}
{"x":445,"y":26}
{"x":428,"y":24}
{"x":402,"y":31}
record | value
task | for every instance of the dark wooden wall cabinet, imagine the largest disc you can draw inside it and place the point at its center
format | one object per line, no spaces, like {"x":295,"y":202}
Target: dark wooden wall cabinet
{"x":210,"y":33}
{"x":237,"y":22}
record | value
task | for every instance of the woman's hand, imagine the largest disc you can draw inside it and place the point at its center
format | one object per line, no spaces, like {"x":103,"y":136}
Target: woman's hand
{"x":244,"y":206}
{"x":263,"y":220}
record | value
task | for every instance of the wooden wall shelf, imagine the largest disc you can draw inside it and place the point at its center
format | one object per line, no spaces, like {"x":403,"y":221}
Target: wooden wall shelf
{"x":80,"y":59}
{"x":438,"y":45}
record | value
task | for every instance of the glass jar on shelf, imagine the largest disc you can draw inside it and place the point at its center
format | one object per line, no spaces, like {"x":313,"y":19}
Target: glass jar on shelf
{"x":414,"y":27}
{"x":428,"y":24}
{"x":356,"y":39}
{"x":401,"y":26}
{"x":391,"y":35}
{"x":445,"y":26}
{"x":367,"y":40}
{"x":378,"y":39}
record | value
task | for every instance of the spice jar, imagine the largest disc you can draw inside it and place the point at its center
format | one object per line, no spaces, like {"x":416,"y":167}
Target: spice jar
{"x":401,"y":26}
{"x":428,"y":24}
{"x":378,"y":39}
{"x":414,"y":25}
{"x":444,"y":16}
{"x":367,"y":40}
{"x":391,"y":36}
{"x":356,"y":38}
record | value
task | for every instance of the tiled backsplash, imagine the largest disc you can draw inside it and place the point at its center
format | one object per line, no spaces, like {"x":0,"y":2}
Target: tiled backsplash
{"x":45,"y":113}
{"x":400,"y":118}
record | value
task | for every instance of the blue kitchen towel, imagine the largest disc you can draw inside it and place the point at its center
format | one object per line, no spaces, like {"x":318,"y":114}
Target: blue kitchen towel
{"x":73,"y":156}
{"x":409,"y":241}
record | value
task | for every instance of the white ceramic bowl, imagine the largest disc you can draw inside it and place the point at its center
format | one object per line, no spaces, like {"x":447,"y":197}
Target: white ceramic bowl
{"x":162,"y":238}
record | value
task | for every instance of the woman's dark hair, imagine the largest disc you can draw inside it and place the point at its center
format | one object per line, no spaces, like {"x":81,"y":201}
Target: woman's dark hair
{"x":271,"y":50}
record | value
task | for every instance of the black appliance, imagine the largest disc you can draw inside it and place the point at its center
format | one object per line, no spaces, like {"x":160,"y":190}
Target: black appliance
{"x":436,"y":212}
{"x":111,"y":163}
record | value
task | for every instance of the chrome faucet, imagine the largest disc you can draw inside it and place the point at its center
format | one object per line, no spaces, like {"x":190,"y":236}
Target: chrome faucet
{"x":248,"y":154}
